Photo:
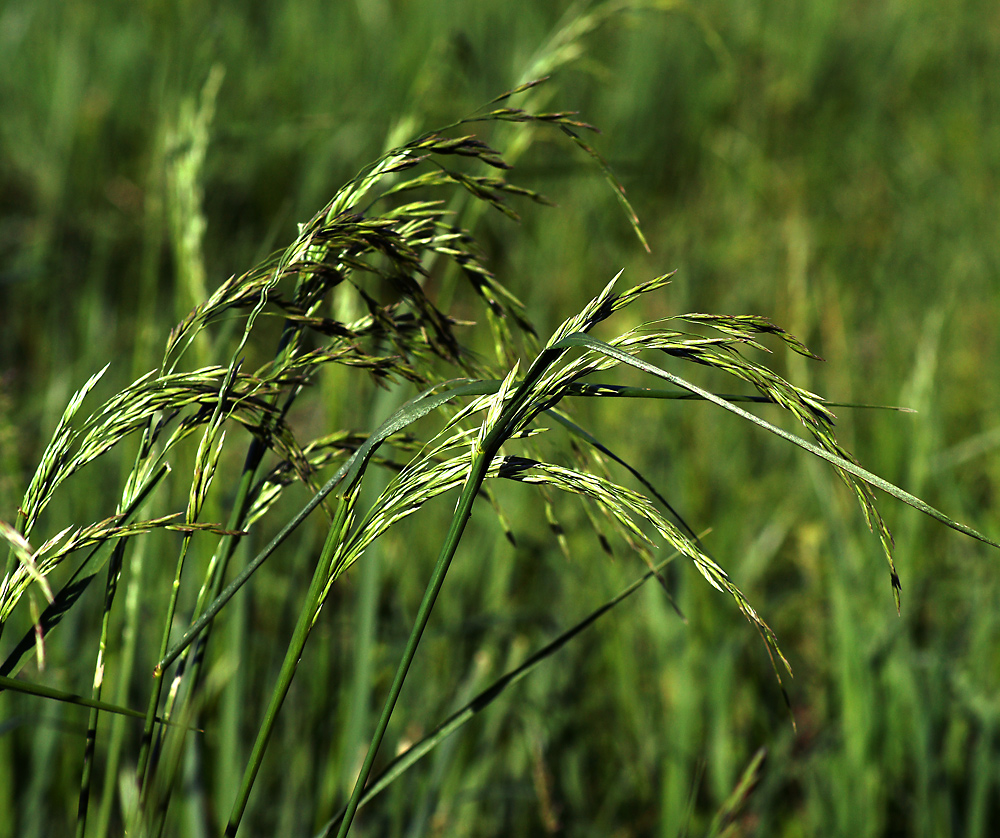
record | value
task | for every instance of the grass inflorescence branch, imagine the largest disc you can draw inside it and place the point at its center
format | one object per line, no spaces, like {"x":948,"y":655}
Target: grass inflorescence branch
{"x":352,"y":297}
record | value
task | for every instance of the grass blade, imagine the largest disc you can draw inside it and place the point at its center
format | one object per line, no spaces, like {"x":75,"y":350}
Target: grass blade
{"x":413,"y":754}
{"x":582,"y":340}
{"x":42,"y":691}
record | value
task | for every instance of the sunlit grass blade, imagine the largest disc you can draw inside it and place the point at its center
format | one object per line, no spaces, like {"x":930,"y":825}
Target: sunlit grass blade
{"x":590,"y":439}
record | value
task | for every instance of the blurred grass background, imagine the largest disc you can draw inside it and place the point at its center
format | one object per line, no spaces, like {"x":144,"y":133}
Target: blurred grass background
{"x":832,"y":166}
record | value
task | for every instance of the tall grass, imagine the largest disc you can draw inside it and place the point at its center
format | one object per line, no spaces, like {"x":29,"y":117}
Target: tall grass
{"x":785,"y":181}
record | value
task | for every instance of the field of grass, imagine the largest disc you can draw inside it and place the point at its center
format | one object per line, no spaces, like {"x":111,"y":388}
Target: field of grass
{"x":833,"y":167}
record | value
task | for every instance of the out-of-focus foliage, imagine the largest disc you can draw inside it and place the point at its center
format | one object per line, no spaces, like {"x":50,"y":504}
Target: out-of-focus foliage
{"x":832,"y":166}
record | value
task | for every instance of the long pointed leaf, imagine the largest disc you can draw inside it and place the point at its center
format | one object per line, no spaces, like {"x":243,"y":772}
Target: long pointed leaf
{"x":29,"y":688}
{"x":347,"y":474}
{"x":580,"y":339}
{"x":413,"y":754}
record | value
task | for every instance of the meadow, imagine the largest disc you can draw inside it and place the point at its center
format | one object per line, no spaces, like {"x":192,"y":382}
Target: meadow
{"x":833,"y":168}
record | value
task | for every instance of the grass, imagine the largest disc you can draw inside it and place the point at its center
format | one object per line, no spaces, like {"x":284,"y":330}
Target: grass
{"x":829,"y":169}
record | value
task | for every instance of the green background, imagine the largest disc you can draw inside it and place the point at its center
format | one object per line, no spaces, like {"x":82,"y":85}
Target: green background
{"x":833,"y":166}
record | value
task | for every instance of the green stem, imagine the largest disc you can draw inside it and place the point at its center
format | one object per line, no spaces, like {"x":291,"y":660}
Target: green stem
{"x":461,"y":517}
{"x":494,"y":438}
{"x":189,"y":667}
{"x":307,"y":616}
{"x":129,"y":638}
{"x":218,"y":564}
{"x":114,"y":576}
{"x":145,"y":747}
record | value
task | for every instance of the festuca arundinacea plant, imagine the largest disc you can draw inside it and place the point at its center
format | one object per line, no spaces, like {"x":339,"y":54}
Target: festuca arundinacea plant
{"x":351,"y":294}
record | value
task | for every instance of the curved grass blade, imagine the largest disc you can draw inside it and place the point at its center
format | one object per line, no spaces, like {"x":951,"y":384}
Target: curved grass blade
{"x":582,"y":340}
{"x":412,"y":755}
{"x":598,"y":445}
{"x":293,"y":654}
{"x":613,"y":181}
{"x":588,"y":437}
{"x":625,"y":392}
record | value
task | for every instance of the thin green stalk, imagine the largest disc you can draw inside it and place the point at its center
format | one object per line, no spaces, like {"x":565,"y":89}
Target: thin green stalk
{"x":145,"y":749}
{"x":463,"y":511}
{"x":204,"y":460}
{"x":307,"y":616}
{"x":194,"y":655}
{"x":114,"y":575}
{"x":486,"y":697}
{"x":486,"y":450}
{"x":216,"y":572}
{"x":130,"y":635}
{"x":358,"y":710}
{"x":218,"y":564}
